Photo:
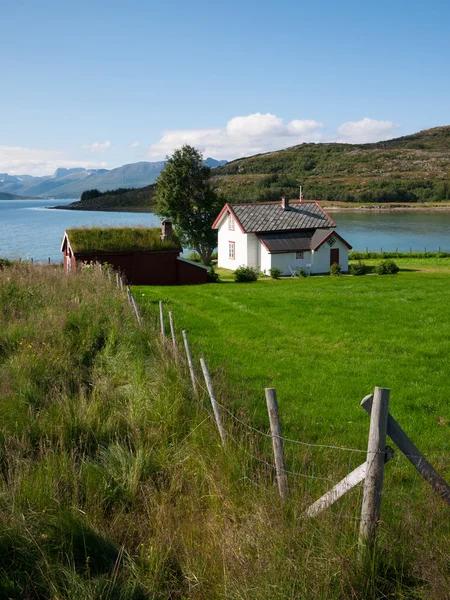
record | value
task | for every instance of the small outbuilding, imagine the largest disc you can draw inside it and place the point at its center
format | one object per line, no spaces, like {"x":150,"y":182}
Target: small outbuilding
{"x":146,"y":256}
{"x":287,"y":235}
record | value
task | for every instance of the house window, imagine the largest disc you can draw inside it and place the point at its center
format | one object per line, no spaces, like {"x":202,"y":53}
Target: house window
{"x":231,"y":250}
{"x":331,"y":242}
{"x":230,"y":223}
{"x":299,"y":255}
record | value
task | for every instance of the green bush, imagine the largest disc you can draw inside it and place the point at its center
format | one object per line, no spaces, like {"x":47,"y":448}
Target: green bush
{"x":358,"y":268}
{"x":301,"y":272}
{"x":387,"y":267}
{"x":245,"y":274}
{"x":275,"y":272}
{"x":4,"y":262}
{"x":335,"y":270}
{"x":194,"y":256}
{"x":212,"y":276}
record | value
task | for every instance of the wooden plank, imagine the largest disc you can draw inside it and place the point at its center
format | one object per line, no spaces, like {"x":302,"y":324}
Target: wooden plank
{"x":341,"y":488}
{"x":137,"y":312}
{"x":376,"y":448}
{"x":412,"y":453}
{"x":277,"y":441}
{"x":189,"y":359}
{"x":161,"y":320}
{"x":214,"y":404}
{"x":172,"y":331}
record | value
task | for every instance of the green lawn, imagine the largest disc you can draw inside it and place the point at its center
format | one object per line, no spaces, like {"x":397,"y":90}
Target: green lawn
{"x":324,"y":343}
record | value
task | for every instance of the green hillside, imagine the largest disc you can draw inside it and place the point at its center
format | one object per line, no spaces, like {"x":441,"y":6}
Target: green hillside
{"x":410,"y":169}
{"x":129,"y":200}
{"x":414,"y":168}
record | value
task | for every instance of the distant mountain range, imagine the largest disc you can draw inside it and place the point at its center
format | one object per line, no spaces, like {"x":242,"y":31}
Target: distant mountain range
{"x":71,"y":183}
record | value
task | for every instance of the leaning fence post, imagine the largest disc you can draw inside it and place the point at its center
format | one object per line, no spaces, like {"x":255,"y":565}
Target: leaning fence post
{"x":277,"y":440}
{"x":189,"y":359}
{"x":172,"y":331}
{"x":161,"y":320}
{"x":137,"y":312}
{"x":215,"y":406}
{"x":412,"y":453}
{"x":376,"y":450}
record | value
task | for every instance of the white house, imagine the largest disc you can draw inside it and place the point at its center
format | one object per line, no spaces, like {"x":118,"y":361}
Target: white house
{"x":282,"y":234}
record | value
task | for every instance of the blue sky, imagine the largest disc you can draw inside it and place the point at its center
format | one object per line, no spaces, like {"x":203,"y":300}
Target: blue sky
{"x":107,"y":83}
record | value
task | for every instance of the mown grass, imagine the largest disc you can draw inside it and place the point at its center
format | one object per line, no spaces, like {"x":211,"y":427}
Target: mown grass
{"x":324,"y":343}
{"x":114,"y":483}
{"x":119,"y":239}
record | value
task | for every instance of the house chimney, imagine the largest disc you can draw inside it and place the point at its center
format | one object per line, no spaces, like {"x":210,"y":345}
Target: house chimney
{"x":166,"y":229}
{"x":301,"y":195}
{"x":284,"y":203}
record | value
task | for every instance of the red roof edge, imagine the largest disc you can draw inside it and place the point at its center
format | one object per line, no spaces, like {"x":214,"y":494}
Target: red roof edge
{"x":322,"y":208}
{"x":263,"y":244}
{"x":333,"y":232}
{"x":220,"y":215}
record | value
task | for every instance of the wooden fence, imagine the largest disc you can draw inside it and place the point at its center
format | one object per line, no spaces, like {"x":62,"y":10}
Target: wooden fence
{"x":378,"y":453}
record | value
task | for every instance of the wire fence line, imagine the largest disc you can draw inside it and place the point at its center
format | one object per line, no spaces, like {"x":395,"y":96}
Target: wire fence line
{"x":340,"y":487}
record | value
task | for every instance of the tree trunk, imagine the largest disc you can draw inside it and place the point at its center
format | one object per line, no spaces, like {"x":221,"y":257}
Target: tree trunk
{"x":205,"y":254}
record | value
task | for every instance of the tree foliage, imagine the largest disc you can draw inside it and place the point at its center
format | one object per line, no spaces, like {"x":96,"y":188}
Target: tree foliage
{"x":184,"y":194}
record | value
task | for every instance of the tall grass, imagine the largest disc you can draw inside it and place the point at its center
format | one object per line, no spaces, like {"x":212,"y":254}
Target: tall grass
{"x":114,"y":483}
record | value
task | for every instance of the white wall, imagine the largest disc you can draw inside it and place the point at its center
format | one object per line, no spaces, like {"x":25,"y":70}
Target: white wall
{"x":285,"y":259}
{"x":253,"y":251}
{"x":225,"y":236}
{"x":266,"y":259}
{"x":321,"y":261}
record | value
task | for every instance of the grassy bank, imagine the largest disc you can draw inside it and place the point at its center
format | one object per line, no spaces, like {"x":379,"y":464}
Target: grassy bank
{"x":114,"y":483}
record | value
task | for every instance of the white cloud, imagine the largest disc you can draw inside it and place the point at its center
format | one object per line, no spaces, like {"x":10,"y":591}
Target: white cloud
{"x":242,"y":136}
{"x":367,"y":130}
{"x":38,"y":162}
{"x":97,"y":146}
{"x":134,"y":144}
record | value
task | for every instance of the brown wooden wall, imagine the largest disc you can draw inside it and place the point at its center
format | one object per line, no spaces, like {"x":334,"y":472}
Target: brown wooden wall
{"x":147,"y":268}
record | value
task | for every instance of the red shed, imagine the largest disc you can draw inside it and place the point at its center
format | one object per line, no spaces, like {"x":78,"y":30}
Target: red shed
{"x":143,"y":255}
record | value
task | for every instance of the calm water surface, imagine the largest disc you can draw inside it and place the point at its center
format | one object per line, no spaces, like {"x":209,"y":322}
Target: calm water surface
{"x":392,"y":230}
{"x":29,"y":230}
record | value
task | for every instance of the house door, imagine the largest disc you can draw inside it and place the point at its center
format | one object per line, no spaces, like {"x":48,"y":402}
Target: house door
{"x":334,"y":256}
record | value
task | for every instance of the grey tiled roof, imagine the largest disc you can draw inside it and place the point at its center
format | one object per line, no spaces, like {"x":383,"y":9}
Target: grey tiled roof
{"x":291,"y":241}
{"x":271,"y":217}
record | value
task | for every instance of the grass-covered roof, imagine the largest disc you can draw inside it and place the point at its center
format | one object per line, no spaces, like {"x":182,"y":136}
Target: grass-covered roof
{"x":119,"y":239}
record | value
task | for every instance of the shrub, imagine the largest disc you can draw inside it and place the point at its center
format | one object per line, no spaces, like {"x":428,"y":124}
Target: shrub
{"x":275,"y":272}
{"x":335,"y":270}
{"x":212,"y":276}
{"x":387,"y":267}
{"x":301,"y":272}
{"x":358,"y":268}
{"x":244,"y":274}
{"x":4,"y":262}
{"x":194,"y":256}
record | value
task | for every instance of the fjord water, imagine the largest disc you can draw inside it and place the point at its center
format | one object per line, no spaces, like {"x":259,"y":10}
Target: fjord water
{"x":392,"y":230}
{"x":29,"y":230}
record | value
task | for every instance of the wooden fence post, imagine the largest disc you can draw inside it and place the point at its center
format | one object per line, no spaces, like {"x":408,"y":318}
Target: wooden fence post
{"x":341,"y":488}
{"x":277,"y":441}
{"x":412,"y":453}
{"x":117,"y":279}
{"x":189,"y":359}
{"x":376,"y":456}
{"x":161,"y":320}
{"x":172,"y":331}
{"x":215,"y":406}
{"x":137,"y":312}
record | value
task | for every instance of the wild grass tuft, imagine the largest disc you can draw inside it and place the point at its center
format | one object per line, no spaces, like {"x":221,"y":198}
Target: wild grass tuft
{"x":114,"y":483}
